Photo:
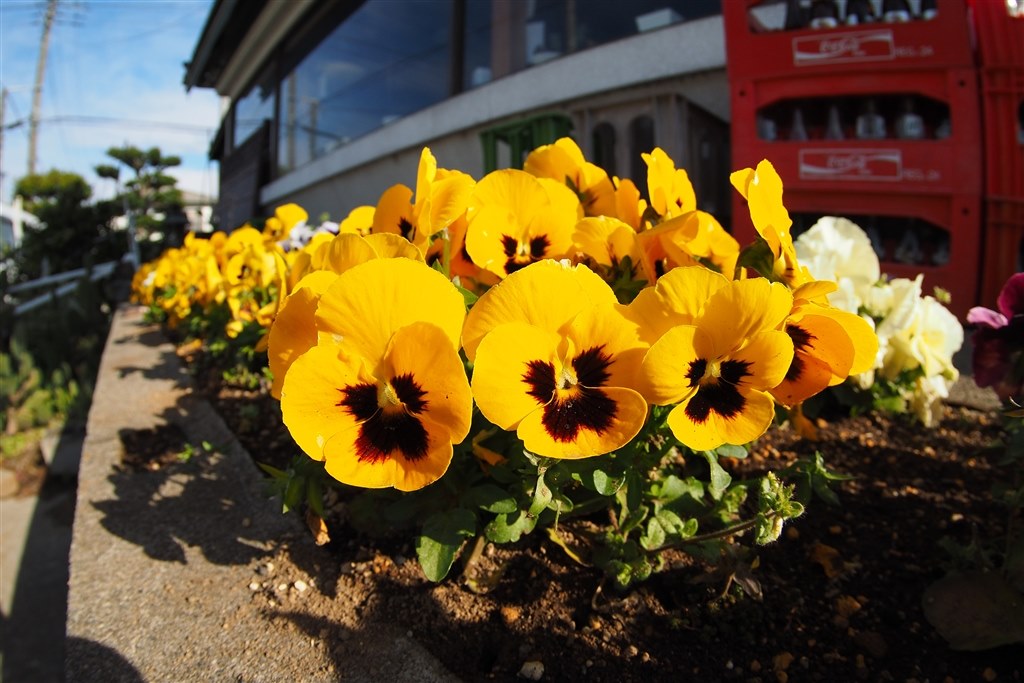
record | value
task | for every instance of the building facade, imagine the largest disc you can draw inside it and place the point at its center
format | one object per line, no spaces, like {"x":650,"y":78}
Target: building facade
{"x":329,"y":103}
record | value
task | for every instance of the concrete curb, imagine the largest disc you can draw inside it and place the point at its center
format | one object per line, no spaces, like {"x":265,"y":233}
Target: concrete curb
{"x":161,"y":560}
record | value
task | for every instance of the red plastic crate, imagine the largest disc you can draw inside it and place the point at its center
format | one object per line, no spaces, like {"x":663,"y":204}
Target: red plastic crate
{"x":957,"y":214}
{"x":1002,"y":99}
{"x":1003,"y":246}
{"x":942,"y":42}
{"x":952,"y":164}
{"x":1000,"y":35}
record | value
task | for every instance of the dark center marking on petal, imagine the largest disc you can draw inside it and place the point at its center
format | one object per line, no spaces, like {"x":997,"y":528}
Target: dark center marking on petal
{"x":382,"y":432}
{"x":509,"y":244}
{"x":577,"y":409}
{"x":720,"y":394}
{"x":360,"y":400}
{"x":517,"y":259}
{"x":409,"y":392}
{"x":721,"y":397}
{"x":696,"y":372}
{"x":591,"y":367}
{"x":539,"y":247}
{"x":406,"y":228}
{"x":541,"y":378}
{"x":801,"y":340}
{"x":735,"y":370}
{"x":385,"y":433}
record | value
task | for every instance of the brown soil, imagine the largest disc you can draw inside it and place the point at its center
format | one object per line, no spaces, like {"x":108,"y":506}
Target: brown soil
{"x":841,"y":590}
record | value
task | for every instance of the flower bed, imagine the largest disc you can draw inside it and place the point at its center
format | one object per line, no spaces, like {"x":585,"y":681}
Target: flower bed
{"x":544,"y":354}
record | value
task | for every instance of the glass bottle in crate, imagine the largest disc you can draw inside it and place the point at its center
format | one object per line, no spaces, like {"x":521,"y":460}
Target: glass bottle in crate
{"x":834,"y":124}
{"x":870,"y":125}
{"x":824,"y":14}
{"x":796,"y":15}
{"x":797,"y":129}
{"x":909,"y":124}
{"x":896,"y":11}
{"x":859,"y":12}
{"x":929,"y":9}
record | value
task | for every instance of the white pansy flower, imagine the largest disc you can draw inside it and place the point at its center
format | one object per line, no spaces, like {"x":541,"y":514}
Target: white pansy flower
{"x":837,"y":249}
{"x":928,"y":399}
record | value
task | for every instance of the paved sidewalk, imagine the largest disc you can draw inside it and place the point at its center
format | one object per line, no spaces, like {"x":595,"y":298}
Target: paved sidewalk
{"x":160,"y":564}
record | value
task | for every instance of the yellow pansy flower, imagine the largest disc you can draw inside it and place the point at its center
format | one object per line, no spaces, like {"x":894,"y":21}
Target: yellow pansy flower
{"x":762,"y":188}
{"x":516,"y":219}
{"x":563,"y":162}
{"x":383,"y":395}
{"x":557,"y":369}
{"x":668,"y":187}
{"x":719,"y":369}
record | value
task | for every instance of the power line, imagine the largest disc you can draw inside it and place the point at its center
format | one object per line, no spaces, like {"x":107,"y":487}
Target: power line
{"x":115,"y":121}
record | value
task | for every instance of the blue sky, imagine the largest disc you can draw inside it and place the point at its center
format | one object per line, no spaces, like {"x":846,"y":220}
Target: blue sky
{"x":113,"y":76}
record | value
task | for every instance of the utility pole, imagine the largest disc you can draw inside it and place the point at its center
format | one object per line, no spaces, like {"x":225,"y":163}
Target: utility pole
{"x":3,"y":110}
{"x":37,"y":90}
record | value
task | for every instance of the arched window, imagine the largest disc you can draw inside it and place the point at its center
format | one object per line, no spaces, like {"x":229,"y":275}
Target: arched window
{"x":641,"y":141}
{"x":603,"y":144}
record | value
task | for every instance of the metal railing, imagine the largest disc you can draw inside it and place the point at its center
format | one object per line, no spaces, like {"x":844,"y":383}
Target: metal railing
{"x":70,"y":280}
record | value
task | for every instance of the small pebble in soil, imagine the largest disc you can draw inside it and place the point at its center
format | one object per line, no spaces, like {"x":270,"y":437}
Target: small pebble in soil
{"x":254,"y":586}
{"x":301,"y":586}
{"x":532,"y":671}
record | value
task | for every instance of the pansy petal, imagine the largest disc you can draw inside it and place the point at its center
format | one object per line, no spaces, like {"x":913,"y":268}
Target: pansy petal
{"x":515,"y":372}
{"x":715,"y":429}
{"x":341,"y":253}
{"x":668,"y":363}
{"x":743,"y":308}
{"x":677,"y":298}
{"x":564,"y":291}
{"x":564,"y":428}
{"x":861,"y":335}
{"x":768,"y":356}
{"x":390,"y":245}
{"x":605,"y":327}
{"x":344,"y":464}
{"x":311,"y":393}
{"x":424,"y":352}
{"x":393,"y":212}
{"x":293,"y":332}
{"x":369,"y":303}
{"x":1011,"y":296}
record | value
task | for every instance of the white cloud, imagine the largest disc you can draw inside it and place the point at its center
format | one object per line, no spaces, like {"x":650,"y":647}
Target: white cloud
{"x":111,"y":69}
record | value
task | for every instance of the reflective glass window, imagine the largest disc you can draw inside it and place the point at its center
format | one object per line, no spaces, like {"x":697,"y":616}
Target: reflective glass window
{"x":252,"y":110}
{"x":388,"y":59}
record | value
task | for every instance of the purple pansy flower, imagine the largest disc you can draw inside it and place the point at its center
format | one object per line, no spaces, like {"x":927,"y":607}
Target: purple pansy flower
{"x":998,"y":340}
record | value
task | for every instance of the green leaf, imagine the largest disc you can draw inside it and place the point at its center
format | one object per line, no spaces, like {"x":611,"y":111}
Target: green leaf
{"x":509,"y":528}
{"x":720,"y":479}
{"x":443,"y":534}
{"x":603,"y":483}
{"x":673,"y":488}
{"x":634,"y":490}
{"x":467,"y":296}
{"x":541,"y":496}
{"x":272,"y":471}
{"x":491,"y":498}
{"x":655,"y":535}
{"x":675,"y":526}
{"x":633,"y":519}
{"x":758,"y":256}
{"x":728,"y":450}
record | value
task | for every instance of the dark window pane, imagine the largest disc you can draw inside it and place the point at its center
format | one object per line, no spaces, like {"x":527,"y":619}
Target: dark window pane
{"x":641,"y":141}
{"x":388,"y":59}
{"x":604,"y":147}
{"x":252,"y":110}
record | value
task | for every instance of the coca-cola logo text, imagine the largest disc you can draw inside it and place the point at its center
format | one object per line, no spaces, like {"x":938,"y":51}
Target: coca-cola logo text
{"x":844,"y":47}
